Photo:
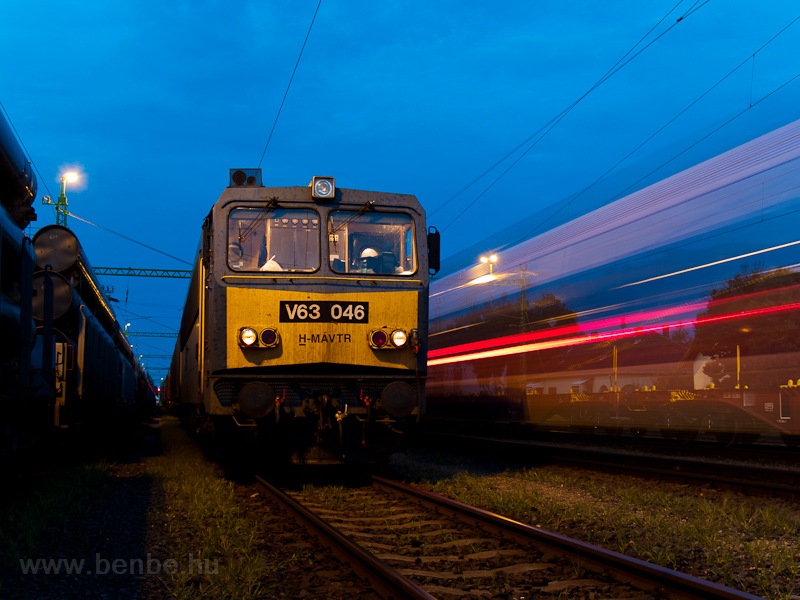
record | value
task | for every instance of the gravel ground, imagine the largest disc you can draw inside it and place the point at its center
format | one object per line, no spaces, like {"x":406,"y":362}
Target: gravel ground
{"x":90,"y":529}
{"x":308,"y":570}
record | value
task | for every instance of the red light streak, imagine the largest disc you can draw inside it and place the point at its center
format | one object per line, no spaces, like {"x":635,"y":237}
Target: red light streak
{"x":523,"y":343}
{"x":559,"y":332}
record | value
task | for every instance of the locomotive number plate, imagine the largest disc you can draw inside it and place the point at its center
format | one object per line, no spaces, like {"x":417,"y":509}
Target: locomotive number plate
{"x":324,"y":311}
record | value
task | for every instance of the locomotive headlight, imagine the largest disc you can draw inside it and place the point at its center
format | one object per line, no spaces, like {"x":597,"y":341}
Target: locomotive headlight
{"x":247,"y":337}
{"x":322,"y":187}
{"x":399,"y":338}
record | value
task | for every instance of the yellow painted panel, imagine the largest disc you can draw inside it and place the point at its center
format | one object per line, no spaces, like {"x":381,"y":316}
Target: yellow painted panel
{"x":313,"y":342}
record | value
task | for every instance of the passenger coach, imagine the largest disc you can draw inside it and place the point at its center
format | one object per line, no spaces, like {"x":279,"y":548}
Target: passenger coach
{"x":305,"y":325}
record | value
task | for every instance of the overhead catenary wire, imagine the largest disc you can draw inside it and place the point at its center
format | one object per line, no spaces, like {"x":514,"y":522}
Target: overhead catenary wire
{"x":132,"y":315}
{"x":751,"y":104}
{"x":721,"y":126}
{"x":669,"y":122}
{"x":130,"y":239}
{"x":549,"y":123}
{"x":289,"y":85}
{"x":538,"y":135}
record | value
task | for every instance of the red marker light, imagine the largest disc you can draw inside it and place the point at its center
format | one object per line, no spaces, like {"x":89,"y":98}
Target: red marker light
{"x":378,"y":338}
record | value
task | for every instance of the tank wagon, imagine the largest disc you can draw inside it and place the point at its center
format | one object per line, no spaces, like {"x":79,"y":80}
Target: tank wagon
{"x":84,"y":370}
{"x":305,"y":325}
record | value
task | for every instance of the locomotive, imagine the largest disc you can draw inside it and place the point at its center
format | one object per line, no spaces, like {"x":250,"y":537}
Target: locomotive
{"x":642,"y":316}
{"x":304,"y":332}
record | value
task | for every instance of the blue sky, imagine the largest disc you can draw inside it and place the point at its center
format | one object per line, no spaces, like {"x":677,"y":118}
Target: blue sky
{"x":156,"y":101}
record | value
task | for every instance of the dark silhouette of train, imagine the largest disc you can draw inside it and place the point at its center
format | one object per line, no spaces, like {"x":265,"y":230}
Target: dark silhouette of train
{"x":64,"y":361}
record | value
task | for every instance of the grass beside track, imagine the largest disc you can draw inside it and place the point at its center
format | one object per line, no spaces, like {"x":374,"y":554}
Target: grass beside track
{"x":203,"y":519}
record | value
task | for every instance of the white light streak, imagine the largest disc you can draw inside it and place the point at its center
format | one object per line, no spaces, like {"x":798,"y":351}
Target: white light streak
{"x":712,"y":264}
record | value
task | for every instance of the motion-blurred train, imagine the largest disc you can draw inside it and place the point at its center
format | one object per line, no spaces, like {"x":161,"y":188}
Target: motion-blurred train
{"x":64,"y":363}
{"x":305,"y":325}
{"x":674,"y":311}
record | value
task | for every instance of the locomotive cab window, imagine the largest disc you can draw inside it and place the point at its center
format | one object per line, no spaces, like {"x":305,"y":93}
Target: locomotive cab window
{"x":273,"y":240}
{"x":372,"y":242}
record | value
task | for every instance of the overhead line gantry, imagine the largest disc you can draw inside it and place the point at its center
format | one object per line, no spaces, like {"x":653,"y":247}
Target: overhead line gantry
{"x":150,"y":334}
{"x":130,"y":272}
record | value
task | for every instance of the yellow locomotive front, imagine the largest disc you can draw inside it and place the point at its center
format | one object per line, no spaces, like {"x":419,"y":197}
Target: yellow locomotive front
{"x":310,"y":321}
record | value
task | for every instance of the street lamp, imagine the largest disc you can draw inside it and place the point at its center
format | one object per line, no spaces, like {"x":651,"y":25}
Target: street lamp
{"x":61,"y":205}
{"x":61,"y":201}
{"x":522,"y":282}
{"x":491,"y":260}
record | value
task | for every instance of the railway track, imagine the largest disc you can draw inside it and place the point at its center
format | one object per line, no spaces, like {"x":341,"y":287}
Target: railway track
{"x":410,"y":543}
{"x":755,"y":479}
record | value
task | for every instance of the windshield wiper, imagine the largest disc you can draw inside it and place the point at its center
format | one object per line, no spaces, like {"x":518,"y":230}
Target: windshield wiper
{"x":271,"y":203}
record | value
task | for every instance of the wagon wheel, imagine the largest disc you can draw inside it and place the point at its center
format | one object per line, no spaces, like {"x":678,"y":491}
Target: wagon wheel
{"x":674,"y":426}
{"x":728,"y":430}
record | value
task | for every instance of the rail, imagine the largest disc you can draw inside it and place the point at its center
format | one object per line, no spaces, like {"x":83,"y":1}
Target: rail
{"x":385,"y":580}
